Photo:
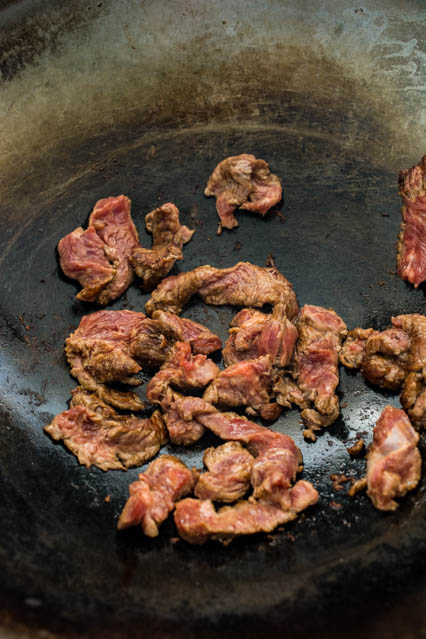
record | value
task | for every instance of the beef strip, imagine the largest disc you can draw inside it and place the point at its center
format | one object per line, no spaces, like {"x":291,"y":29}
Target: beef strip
{"x":99,"y":351}
{"x":99,"y":258}
{"x":254,"y":334}
{"x":273,"y":502}
{"x":315,"y":368}
{"x":411,"y":251}
{"x":244,"y":182}
{"x":247,"y":383}
{"x":244,"y":284}
{"x":395,"y":358}
{"x":393,"y":461}
{"x":153,"y":495}
{"x":168,"y":238}
{"x":180,"y":329}
{"x":185,"y":372}
{"x":99,"y":436}
{"x":228,"y":476}
{"x":353,"y":348}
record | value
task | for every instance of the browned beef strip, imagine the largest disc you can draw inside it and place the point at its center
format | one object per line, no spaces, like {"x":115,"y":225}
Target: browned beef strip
{"x":244,"y":182}
{"x":180,"y":329}
{"x":99,"y":351}
{"x":228,"y":476}
{"x":153,"y":495}
{"x":99,"y":258}
{"x":244,"y":284}
{"x":86,"y":258}
{"x":254,"y":334}
{"x":99,"y":436}
{"x":413,"y":396}
{"x":393,"y":461}
{"x":168,"y":238}
{"x":411,"y":252}
{"x":185,"y":372}
{"x":316,"y":367}
{"x":353,"y":349}
{"x":274,"y":500}
{"x":247,"y":383}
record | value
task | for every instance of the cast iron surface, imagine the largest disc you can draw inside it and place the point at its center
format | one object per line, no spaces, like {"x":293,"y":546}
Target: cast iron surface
{"x":102,"y":99}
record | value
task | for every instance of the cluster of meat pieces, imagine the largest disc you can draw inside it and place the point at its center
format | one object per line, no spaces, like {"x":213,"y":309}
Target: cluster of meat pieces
{"x":105,"y":256}
{"x":411,"y":252}
{"x":394,"y":359}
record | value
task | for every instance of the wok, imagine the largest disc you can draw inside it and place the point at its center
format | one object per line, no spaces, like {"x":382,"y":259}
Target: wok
{"x":144,"y":98}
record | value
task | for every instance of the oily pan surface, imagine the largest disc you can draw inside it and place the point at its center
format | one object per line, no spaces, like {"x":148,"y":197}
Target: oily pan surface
{"x":334,"y":239}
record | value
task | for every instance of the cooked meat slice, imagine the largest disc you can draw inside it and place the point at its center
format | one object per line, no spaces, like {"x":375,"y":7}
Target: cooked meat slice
{"x":394,"y":462}
{"x":286,"y":393}
{"x":168,"y":238}
{"x":315,"y":370}
{"x":254,"y":334}
{"x":99,"y":351}
{"x":197,"y":521}
{"x":244,"y":284}
{"x":228,"y":477}
{"x":183,"y":371}
{"x":149,"y":346}
{"x":385,"y":360}
{"x":180,"y":329}
{"x":153,"y":495}
{"x":413,"y":396}
{"x":99,"y":436}
{"x":353,"y":349}
{"x":86,"y":258}
{"x":244,"y":182}
{"x":113,"y":223}
{"x":247,"y":383}
{"x":411,"y":253}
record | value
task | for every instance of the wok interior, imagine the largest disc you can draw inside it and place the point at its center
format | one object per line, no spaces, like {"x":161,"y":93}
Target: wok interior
{"x":103,"y":99}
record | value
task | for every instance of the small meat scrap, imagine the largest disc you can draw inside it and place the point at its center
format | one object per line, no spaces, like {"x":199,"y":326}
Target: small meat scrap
{"x":99,"y":351}
{"x":394,"y":462}
{"x":339,"y":480}
{"x":411,"y":250}
{"x":185,"y":372}
{"x":99,"y":258}
{"x":180,"y":329}
{"x":357,"y":448}
{"x":244,"y":284}
{"x":168,"y":238}
{"x":243,"y":182}
{"x":254,"y":334}
{"x":274,"y":500}
{"x":228,"y":476}
{"x":247,"y":383}
{"x":99,"y":436}
{"x":152,"y":497}
{"x":315,"y":368}
{"x":396,"y":358}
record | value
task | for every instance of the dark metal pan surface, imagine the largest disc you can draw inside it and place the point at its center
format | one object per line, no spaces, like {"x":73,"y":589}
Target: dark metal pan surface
{"x":145,"y":99}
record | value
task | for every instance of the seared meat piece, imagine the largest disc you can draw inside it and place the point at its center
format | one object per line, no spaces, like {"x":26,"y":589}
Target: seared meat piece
{"x":397,"y":357}
{"x":242,"y":182}
{"x":168,"y":238}
{"x":394,"y":462}
{"x":244,"y":284}
{"x":99,"y":258}
{"x":179,"y":329}
{"x":316,"y":368}
{"x":353,"y":349}
{"x":183,"y":371}
{"x":411,"y":253}
{"x":197,"y":520}
{"x":99,"y":436}
{"x":153,"y":495}
{"x":246,"y":383}
{"x":86,"y":258}
{"x":228,"y":477}
{"x":254,"y":334}
{"x":100,"y":351}
{"x":287,"y":393}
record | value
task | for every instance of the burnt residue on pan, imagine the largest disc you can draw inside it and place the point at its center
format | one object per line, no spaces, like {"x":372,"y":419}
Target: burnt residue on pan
{"x":137,"y":98}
